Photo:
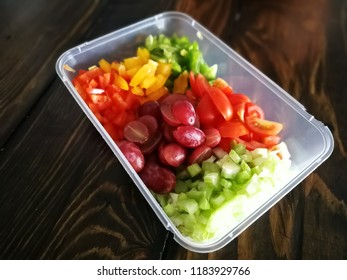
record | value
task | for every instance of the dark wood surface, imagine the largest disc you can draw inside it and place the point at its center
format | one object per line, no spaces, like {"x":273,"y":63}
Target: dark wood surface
{"x":64,"y":195}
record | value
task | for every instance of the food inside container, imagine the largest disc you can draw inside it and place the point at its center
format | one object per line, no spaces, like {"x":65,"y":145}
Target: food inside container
{"x":209,"y":141}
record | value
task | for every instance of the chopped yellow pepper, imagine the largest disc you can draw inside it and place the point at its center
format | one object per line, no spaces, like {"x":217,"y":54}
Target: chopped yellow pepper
{"x":105,"y":65}
{"x":120,"y":82}
{"x":147,"y":70}
{"x":181,"y":83}
{"x":143,"y":53}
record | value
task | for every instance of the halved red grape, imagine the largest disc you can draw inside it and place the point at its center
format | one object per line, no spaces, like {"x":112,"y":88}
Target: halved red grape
{"x":184,"y":112}
{"x":133,"y":154}
{"x":150,"y":122}
{"x":168,"y":117}
{"x":136,"y":131}
{"x":169,"y":180}
{"x":200,"y":154}
{"x":157,"y":178}
{"x":213,"y":137}
{"x":171,"y":98}
{"x":161,"y":153}
{"x":173,"y":154}
{"x":150,"y":108}
{"x":189,"y":136}
{"x":167,"y":132}
{"x":152,"y":143}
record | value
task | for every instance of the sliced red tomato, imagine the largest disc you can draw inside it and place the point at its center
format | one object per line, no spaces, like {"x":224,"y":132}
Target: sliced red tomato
{"x":192,"y":98}
{"x":252,"y":109}
{"x":223,"y":86}
{"x":239,"y":111}
{"x":263,"y":127}
{"x":192,"y":84}
{"x":238,"y":98}
{"x":270,"y":141}
{"x":225,"y":144}
{"x":250,"y":145}
{"x":232,"y":129}
{"x":247,"y":137}
{"x":202,"y":85}
{"x":208,"y":114}
{"x":222,"y":103}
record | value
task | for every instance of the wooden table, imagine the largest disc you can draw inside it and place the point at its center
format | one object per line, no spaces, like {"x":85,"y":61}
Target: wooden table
{"x":64,"y":195}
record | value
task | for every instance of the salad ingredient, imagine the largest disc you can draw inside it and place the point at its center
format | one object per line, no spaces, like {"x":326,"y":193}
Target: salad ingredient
{"x":189,"y":136}
{"x":224,"y":191}
{"x":157,"y":178}
{"x":206,"y":152}
{"x":172,"y":154}
{"x":213,"y":137}
{"x":200,"y":154}
{"x":181,"y":53}
{"x":136,"y":131}
{"x":221,"y":101}
{"x":184,"y":112}
{"x":263,"y":127}
{"x":133,"y":154}
{"x":208,"y":113}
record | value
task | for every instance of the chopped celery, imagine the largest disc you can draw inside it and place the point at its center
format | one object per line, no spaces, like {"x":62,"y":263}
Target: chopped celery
{"x":225,"y":183}
{"x":169,"y":209}
{"x":183,"y":174}
{"x":242,"y":177}
{"x":230,"y":169}
{"x":181,"y":186}
{"x":244,"y":166}
{"x":204,"y":204}
{"x":195,"y":194}
{"x":212,"y":178}
{"x":234,"y":156}
{"x":221,"y":192}
{"x":194,"y":169}
{"x":218,"y":152}
{"x":187,"y":205}
{"x":208,"y":166}
{"x":240,"y":149}
{"x":217,"y":201}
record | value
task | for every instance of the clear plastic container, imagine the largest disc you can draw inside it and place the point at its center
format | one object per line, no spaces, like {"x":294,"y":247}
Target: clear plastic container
{"x":300,"y":128}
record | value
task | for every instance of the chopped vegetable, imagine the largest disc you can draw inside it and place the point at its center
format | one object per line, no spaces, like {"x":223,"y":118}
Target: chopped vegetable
{"x":224,"y":192}
{"x":182,"y":54}
{"x":208,"y":154}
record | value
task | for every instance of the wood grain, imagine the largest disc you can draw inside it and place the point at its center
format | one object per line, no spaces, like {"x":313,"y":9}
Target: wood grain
{"x":32,"y":37}
{"x":63,"y":194}
{"x":288,"y":41}
{"x":73,"y":191}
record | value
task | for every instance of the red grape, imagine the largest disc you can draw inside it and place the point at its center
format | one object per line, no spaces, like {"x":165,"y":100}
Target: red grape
{"x":150,"y":108}
{"x":136,"y":131}
{"x":157,"y":178}
{"x":151,"y":144}
{"x":169,"y":180}
{"x":189,"y":136}
{"x":173,"y":154}
{"x":150,"y":122}
{"x":168,"y":117}
{"x":133,"y":154}
{"x":171,"y":98}
{"x":200,"y":154}
{"x":213,"y":137}
{"x":167,"y":132}
{"x":184,"y":112}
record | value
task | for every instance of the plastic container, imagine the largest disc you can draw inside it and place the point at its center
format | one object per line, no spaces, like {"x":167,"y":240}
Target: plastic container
{"x":300,"y":128}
